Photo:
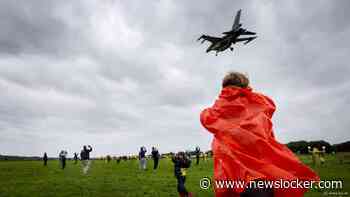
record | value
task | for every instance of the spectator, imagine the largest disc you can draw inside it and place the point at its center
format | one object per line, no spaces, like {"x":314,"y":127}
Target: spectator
{"x":85,"y":158}
{"x":244,"y":145}
{"x":155,"y":156}
{"x":142,"y":158}
{"x":181,"y":163}
{"x":63,"y":157}
{"x":45,"y":158}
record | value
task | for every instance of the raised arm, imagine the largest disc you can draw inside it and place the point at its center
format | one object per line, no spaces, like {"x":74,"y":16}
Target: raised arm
{"x":209,"y":118}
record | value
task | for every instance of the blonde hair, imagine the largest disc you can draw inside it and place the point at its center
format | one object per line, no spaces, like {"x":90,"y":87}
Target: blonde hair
{"x":235,"y":79}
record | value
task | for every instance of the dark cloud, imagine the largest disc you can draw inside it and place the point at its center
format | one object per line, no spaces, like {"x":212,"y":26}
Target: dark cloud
{"x":119,"y":75}
{"x":27,"y":27}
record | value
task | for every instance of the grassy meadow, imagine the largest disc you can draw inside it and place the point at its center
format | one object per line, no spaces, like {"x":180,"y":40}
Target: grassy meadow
{"x":31,"y":178}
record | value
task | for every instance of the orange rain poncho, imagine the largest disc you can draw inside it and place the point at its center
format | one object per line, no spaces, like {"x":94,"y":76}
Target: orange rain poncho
{"x":244,"y":145}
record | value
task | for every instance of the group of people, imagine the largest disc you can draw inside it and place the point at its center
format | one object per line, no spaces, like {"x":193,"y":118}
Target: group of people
{"x":181,"y":162}
{"x":84,"y":157}
{"x":244,"y":145}
{"x":143,"y":158}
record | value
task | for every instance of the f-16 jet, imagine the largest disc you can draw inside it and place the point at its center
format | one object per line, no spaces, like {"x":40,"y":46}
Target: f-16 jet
{"x":229,"y":38}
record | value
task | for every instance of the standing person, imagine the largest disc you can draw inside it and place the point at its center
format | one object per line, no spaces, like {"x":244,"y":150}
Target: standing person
{"x":142,"y":158}
{"x":108,"y":158}
{"x":155,"y":156}
{"x":45,"y":158}
{"x":118,"y":159}
{"x":181,"y":163}
{"x":63,"y":157}
{"x":85,"y":158}
{"x":198,"y":153}
{"x":244,"y":144}
{"x":75,"y":158}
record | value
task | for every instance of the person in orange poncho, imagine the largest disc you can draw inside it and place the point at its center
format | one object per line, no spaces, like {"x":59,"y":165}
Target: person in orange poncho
{"x":244,"y":145}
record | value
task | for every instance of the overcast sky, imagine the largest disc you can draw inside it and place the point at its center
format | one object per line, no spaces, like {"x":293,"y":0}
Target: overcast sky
{"x":121,"y":74}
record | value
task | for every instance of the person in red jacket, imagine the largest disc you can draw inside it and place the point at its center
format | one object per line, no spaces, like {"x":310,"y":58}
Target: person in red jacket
{"x":244,"y":145}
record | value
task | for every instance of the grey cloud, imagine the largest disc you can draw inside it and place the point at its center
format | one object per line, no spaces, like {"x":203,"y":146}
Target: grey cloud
{"x":29,"y":27}
{"x":119,"y":75}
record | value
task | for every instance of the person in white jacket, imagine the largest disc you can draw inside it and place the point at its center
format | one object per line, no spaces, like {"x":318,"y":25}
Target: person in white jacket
{"x":142,"y":158}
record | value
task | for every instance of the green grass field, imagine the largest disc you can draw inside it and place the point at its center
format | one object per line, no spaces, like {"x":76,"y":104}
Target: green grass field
{"x":31,"y":178}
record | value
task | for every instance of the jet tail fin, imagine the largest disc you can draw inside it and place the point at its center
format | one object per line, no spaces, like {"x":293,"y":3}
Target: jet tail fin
{"x":236,"y":23}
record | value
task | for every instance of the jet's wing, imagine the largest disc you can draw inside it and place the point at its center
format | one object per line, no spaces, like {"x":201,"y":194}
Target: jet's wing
{"x":248,"y":33}
{"x":247,"y":40}
{"x":208,"y":38}
{"x":236,"y":24}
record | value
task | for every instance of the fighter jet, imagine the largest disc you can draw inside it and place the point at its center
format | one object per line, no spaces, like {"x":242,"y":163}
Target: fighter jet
{"x":220,"y":44}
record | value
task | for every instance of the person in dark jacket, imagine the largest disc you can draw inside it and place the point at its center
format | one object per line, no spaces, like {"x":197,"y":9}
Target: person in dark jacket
{"x":45,"y":158}
{"x":181,"y":163}
{"x":155,"y":156}
{"x":197,"y":152}
{"x":63,"y":157}
{"x":85,"y":158}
